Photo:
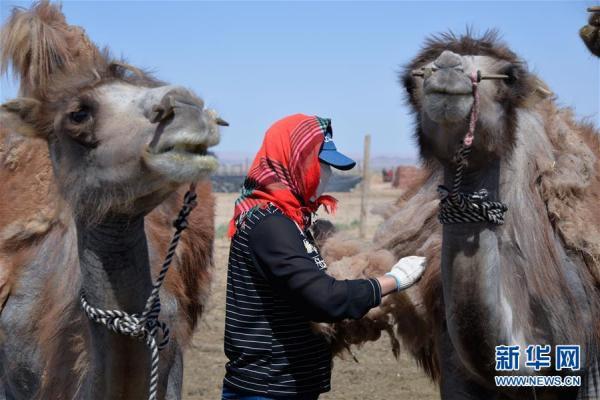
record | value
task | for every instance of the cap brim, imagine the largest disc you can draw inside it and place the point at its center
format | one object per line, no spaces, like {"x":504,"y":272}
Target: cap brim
{"x":336,"y":160}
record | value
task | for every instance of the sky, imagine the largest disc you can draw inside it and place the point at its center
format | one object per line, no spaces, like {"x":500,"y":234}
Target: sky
{"x":256,"y":62}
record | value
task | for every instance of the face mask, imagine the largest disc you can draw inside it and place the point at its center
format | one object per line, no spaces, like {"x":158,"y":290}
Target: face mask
{"x":325,"y":176}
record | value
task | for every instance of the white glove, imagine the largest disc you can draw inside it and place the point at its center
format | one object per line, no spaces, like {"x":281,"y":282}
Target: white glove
{"x":407,"y":271}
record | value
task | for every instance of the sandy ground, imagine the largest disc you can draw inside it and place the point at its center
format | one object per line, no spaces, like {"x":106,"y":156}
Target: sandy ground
{"x":377,"y":375}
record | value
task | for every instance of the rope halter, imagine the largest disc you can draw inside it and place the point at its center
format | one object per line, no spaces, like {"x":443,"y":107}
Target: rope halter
{"x":146,"y":326}
{"x":459,"y":207}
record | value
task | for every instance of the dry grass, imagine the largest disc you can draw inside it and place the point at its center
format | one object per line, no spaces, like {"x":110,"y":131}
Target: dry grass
{"x":377,"y":375}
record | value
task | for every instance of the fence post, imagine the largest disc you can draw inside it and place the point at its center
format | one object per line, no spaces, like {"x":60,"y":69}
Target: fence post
{"x":365,"y":187}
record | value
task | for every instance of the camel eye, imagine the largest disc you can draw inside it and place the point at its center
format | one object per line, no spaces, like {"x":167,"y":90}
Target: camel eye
{"x":409,"y":83}
{"x":80,"y":116}
{"x":513,"y":74}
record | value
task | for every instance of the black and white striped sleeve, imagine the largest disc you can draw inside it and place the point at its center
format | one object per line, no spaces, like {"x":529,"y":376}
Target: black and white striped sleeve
{"x":279,"y":252}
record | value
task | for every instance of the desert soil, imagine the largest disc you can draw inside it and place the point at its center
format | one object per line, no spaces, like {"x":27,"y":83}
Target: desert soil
{"x":377,"y":375}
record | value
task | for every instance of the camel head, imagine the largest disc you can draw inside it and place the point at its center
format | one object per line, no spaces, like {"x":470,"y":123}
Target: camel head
{"x":590,"y":33}
{"x":119,"y":140}
{"x":442,"y":97}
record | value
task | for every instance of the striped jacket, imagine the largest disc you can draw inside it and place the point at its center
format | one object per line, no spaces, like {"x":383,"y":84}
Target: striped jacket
{"x":276,"y":285}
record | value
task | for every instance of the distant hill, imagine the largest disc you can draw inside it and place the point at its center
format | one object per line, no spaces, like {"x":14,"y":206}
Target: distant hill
{"x":379,"y":162}
{"x":234,"y":162}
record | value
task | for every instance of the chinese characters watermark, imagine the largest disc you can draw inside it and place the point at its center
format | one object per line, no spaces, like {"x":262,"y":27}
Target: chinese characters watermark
{"x":538,"y":357}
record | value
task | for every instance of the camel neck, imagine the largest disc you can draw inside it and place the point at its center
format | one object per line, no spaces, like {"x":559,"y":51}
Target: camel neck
{"x":115,"y":273}
{"x":497,"y":279}
{"x":463,"y":239}
{"x":113,"y":256}
{"x":471,"y":273}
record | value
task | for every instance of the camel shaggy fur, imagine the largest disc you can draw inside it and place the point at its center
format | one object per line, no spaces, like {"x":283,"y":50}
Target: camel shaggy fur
{"x":590,"y":33}
{"x":92,"y":157}
{"x":533,"y":280}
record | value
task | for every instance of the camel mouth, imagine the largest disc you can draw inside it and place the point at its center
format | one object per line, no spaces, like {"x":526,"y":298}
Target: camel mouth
{"x":184,"y":142}
{"x":183,"y":157}
{"x":449,"y":83}
{"x":199,"y":149}
{"x":447,"y":91}
{"x":447,"y":106}
{"x":206,"y":162}
{"x":182,"y":166}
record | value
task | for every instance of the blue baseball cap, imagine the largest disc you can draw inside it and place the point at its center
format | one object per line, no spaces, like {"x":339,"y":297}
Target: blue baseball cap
{"x":330,"y":155}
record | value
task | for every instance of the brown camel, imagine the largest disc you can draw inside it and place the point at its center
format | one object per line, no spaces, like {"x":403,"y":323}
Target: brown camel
{"x":92,"y":156}
{"x":590,"y":33}
{"x":534,"y":279}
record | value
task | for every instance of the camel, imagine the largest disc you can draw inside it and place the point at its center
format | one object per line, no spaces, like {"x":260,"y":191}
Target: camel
{"x":590,"y":33}
{"x":93,"y":156}
{"x":535,"y":279}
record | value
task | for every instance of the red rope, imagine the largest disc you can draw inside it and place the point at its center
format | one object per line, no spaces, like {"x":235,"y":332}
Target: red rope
{"x":470,"y":136}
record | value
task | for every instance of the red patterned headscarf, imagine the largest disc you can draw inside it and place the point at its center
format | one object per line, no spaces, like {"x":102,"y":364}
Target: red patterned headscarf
{"x":286,"y":171}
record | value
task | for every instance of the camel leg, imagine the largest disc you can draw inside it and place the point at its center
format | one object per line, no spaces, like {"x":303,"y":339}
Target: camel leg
{"x":174,"y":378}
{"x":2,"y":390}
{"x":24,"y":385}
{"x":19,"y":355}
{"x":455,"y":384}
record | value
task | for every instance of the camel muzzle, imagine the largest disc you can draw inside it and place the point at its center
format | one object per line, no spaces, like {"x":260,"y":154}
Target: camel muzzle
{"x":447,"y":81}
{"x":183,"y":125}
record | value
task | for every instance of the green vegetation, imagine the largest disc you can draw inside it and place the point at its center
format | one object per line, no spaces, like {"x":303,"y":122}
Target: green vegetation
{"x":344,"y":227}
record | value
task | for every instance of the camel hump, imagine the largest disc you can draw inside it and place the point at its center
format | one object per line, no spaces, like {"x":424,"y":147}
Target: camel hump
{"x":38,"y":42}
{"x":570,"y":186}
{"x":28,"y":200}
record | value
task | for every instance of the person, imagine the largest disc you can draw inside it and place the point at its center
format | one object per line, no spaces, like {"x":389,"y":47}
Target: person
{"x":276,"y":280}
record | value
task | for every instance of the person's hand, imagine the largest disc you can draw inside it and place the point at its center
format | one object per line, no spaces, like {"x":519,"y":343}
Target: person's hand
{"x":407,"y":271}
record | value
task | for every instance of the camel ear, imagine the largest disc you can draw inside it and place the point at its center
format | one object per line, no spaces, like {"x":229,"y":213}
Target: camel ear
{"x":19,"y":115}
{"x":38,"y":43}
{"x":540,"y":92}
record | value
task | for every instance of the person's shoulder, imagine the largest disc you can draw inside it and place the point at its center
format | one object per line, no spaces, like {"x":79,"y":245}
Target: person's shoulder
{"x":274,"y":217}
{"x":273,"y":223}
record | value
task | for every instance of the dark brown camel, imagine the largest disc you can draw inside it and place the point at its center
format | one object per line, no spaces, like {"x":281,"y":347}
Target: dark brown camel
{"x":590,"y":33}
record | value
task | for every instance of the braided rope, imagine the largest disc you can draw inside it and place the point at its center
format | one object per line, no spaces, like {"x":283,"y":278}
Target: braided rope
{"x":146,"y":326}
{"x":460,"y":207}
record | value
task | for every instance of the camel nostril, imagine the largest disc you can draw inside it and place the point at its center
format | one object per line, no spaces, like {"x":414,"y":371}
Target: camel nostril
{"x":164,"y":109}
{"x":448,"y":59}
{"x":160,"y":113}
{"x":172,"y":102}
